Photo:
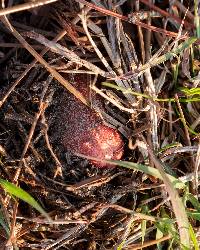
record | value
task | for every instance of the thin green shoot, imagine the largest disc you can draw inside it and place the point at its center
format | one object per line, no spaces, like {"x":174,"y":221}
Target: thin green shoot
{"x":130,"y":91}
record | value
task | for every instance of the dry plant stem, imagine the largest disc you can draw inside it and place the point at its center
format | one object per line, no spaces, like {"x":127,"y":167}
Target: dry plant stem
{"x":91,"y":182}
{"x":160,"y":204}
{"x":36,"y":118}
{"x":161,"y":81}
{"x":156,"y":59}
{"x":67,"y":236}
{"x":113,"y":55}
{"x":98,"y":91}
{"x":57,"y":38}
{"x":98,"y":31}
{"x":59,"y":165}
{"x":127,"y":19}
{"x":31,"y":146}
{"x":148,"y":244}
{"x":196,"y":168}
{"x":71,"y":32}
{"x":165,"y":13}
{"x":42,"y":106}
{"x":180,"y":149}
{"x":183,"y":120}
{"x":73,"y":71}
{"x":170,"y":118}
{"x":152,"y":91}
{"x":187,"y":138}
{"x":127,"y":229}
{"x":17,"y":45}
{"x":54,"y":222}
{"x":53,"y":72}
{"x":24,"y":27}
{"x":177,"y":204}
{"x":4,"y":210}
{"x":141,"y":37}
{"x":25,"y":6}
{"x":153,"y":111}
{"x":195,"y":123}
{"x":113,"y":29}
{"x":189,"y":177}
{"x":99,"y":54}
{"x":97,"y":215}
{"x":3,"y":152}
{"x":183,"y":9}
{"x":25,"y":230}
{"x":84,"y":209}
{"x":24,"y":135}
{"x":77,"y":230}
{"x":138,"y":216}
{"x":137,"y":235}
{"x":12,"y":239}
{"x":29,"y":170}
{"x":132,"y":58}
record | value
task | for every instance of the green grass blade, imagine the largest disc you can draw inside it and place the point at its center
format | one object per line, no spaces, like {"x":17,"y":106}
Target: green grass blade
{"x":140,"y":167}
{"x":150,"y":171}
{"x":194,"y":201}
{"x":143,"y":229}
{"x":130,"y":91}
{"x":194,"y":215}
{"x":23,"y":195}
{"x":159,"y":235}
{"x":191,"y":91}
{"x":193,"y":238}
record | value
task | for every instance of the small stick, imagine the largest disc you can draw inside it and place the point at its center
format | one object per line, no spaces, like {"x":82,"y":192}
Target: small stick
{"x":59,"y":165}
{"x":25,"y":6}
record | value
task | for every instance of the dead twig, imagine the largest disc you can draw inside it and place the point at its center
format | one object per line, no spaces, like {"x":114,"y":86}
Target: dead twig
{"x":19,"y":79}
{"x":130,"y":19}
{"x":25,"y":6}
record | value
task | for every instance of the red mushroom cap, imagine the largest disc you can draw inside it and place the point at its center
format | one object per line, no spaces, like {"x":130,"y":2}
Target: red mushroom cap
{"x":84,"y":131}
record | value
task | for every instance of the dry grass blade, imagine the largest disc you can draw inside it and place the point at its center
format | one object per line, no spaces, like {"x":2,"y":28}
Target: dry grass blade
{"x":141,"y":69}
{"x":54,"y":73}
{"x":68,"y":54}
